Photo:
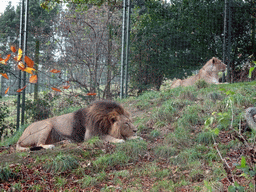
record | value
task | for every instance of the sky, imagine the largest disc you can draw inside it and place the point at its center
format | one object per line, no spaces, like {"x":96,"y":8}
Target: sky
{"x":4,"y":3}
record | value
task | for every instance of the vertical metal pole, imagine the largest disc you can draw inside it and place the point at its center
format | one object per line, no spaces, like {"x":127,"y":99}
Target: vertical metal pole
{"x":127,"y":46}
{"x":20,"y":46}
{"x":224,"y":37}
{"x":229,"y":42}
{"x":123,"y":51}
{"x":24,"y":53}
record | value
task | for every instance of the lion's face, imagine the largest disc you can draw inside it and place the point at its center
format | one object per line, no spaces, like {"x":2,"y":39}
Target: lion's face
{"x":218,"y":65}
{"x":123,"y":128}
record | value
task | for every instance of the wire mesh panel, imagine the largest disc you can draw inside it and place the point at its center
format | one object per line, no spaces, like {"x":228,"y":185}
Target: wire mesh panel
{"x":168,"y":39}
{"x":172,"y":39}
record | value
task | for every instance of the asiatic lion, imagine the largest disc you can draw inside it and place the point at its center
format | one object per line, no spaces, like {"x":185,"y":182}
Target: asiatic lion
{"x":106,"y":119}
{"x":209,"y":72}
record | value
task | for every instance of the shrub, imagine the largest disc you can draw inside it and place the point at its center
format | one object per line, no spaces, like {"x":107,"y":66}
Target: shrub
{"x":4,"y":112}
{"x":39,"y":109}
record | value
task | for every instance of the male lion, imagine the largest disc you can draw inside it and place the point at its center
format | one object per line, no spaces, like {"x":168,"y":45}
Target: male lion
{"x":105,"y":119}
{"x":209,"y":73}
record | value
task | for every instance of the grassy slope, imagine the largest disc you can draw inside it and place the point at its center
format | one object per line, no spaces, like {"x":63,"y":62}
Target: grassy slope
{"x":177,"y":152}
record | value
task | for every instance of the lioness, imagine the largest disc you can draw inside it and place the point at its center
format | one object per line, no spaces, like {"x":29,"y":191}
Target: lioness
{"x":106,"y":119}
{"x":209,"y":73}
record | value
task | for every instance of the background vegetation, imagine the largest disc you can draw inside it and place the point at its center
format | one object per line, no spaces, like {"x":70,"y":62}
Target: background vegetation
{"x":194,"y":138}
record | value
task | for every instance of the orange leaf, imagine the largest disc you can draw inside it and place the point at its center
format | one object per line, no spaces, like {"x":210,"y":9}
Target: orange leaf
{"x":15,"y":58}
{"x":33,"y":79}
{"x":19,"y":90}
{"x":55,"y":71}
{"x":1,"y":59}
{"x":19,"y":54}
{"x":66,"y":86}
{"x":6,"y":91}
{"x":29,"y":70}
{"x":4,"y":61}
{"x":7,"y":58}
{"x":29,"y":62}
{"x":4,"y":75}
{"x":91,"y":94}
{"x":56,"y":89}
{"x":13,"y":49}
{"x":21,"y":66}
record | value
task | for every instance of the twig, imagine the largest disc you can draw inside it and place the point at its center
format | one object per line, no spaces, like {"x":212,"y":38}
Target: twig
{"x":224,"y":160}
{"x":240,"y":135}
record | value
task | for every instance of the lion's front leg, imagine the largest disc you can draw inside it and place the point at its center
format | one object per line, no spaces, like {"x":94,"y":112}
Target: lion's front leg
{"x":111,"y":139}
{"x":45,"y":136}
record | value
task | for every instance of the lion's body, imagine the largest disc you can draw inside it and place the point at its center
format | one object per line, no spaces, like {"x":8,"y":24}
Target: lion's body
{"x":209,"y":73}
{"x":106,"y":119}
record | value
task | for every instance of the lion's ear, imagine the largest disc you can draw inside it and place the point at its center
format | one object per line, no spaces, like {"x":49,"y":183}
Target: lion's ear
{"x":113,"y":117}
{"x":213,"y":60}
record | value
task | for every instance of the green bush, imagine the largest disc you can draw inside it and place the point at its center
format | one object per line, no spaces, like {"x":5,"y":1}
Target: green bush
{"x":4,"y":112}
{"x":39,"y":109}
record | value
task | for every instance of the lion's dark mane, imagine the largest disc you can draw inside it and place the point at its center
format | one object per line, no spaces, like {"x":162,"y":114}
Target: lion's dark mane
{"x":97,"y":117}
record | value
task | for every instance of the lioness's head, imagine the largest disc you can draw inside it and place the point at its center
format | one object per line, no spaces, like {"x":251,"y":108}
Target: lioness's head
{"x":216,"y":65}
{"x":122,"y":127}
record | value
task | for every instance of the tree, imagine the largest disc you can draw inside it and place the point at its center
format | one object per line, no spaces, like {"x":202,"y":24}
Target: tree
{"x":40,"y":31}
{"x":173,"y":39}
{"x":88,"y":44}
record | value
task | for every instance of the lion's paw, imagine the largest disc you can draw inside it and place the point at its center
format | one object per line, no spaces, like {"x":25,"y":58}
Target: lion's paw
{"x":119,"y":141}
{"x":135,"y":137}
{"x":47,"y":146}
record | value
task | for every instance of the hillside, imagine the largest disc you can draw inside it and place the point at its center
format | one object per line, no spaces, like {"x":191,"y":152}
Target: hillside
{"x":177,"y":153}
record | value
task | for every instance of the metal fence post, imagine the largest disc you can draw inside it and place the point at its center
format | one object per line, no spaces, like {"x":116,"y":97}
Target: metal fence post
{"x":19,"y":80}
{"x":123,"y":51}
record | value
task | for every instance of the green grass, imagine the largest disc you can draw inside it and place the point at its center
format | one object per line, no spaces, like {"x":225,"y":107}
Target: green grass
{"x":61,"y":163}
{"x":14,"y":138}
{"x":110,"y":160}
{"x":177,"y":150}
{"x":6,"y":173}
